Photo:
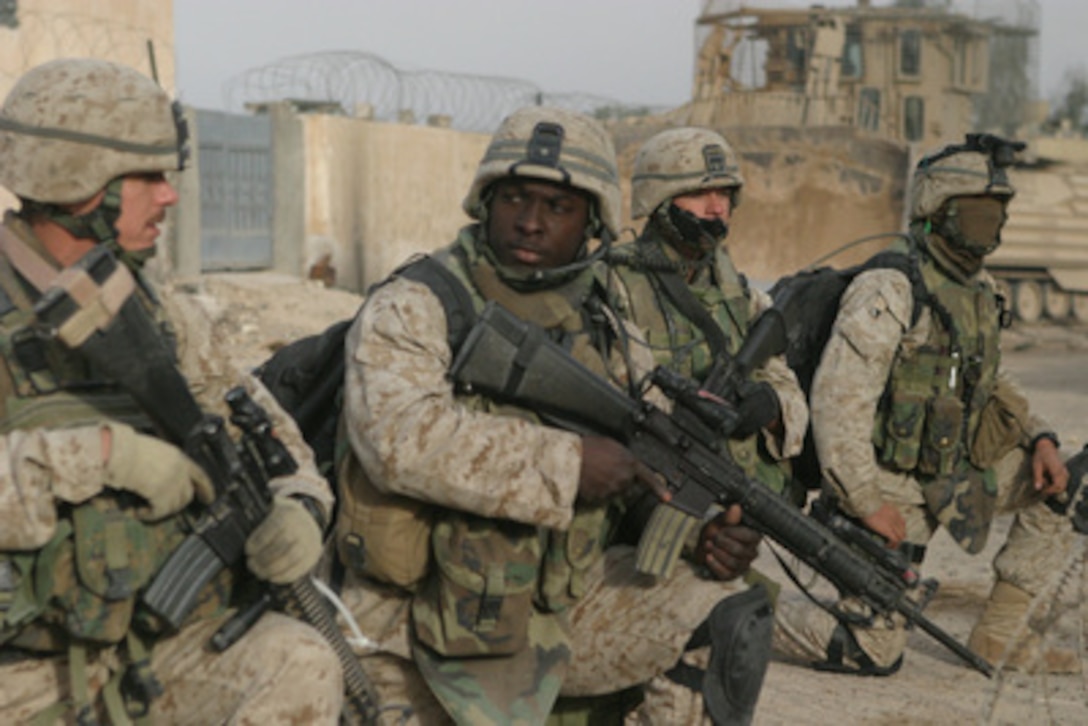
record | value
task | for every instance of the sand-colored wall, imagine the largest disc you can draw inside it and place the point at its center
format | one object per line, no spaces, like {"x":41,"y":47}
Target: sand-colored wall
{"x":377,"y":193}
{"x":117,"y":30}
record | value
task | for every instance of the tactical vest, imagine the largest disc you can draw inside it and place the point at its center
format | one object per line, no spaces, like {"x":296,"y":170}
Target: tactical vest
{"x":82,"y":586}
{"x":484,"y":578}
{"x":676,"y":340}
{"x":929,"y":415}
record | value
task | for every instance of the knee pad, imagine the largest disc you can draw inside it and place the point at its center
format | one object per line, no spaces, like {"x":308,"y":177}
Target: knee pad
{"x":738,"y":631}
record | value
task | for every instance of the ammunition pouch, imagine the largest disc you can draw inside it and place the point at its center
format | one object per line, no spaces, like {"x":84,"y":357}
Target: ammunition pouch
{"x":381,"y":536}
{"x":899,"y":440}
{"x":479,"y":597}
{"x":83,"y":584}
{"x":922,"y":433}
{"x":941,"y":451}
{"x":1001,"y":427}
{"x":569,"y":554}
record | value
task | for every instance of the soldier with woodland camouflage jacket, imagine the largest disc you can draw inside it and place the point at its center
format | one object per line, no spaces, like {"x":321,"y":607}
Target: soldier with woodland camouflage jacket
{"x":91,"y":502}
{"x":917,"y":426}
{"x":479,"y":542}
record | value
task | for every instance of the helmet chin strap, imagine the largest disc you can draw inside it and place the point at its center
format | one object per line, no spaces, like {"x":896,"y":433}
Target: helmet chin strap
{"x":99,"y":224}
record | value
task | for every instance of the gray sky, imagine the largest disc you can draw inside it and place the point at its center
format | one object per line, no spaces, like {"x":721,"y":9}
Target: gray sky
{"x":637,"y":51}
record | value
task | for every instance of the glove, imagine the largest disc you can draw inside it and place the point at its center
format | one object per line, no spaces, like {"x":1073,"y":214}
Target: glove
{"x":160,"y":473}
{"x":757,"y":405}
{"x":286,"y":545}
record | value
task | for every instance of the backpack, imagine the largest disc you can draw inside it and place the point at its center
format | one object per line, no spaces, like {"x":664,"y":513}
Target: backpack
{"x":307,"y":376}
{"x":815,"y":294}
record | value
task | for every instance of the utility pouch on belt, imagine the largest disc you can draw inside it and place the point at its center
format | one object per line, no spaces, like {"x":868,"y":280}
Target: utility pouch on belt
{"x":1002,"y":425}
{"x":569,"y":555}
{"x":382,"y":536}
{"x":96,"y":574}
{"x":941,"y":449}
{"x":900,"y":439}
{"x":479,"y":597}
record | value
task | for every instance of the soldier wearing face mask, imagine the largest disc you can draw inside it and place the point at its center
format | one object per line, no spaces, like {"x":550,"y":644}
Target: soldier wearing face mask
{"x":678,"y":284}
{"x":917,"y":426}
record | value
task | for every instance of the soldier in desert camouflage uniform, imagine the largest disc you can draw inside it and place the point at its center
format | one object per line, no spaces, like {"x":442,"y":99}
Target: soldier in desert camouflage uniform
{"x":953,"y":441}
{"x":477,"y":539}
{"x":91,"y":503}
{"x":678,"y":284}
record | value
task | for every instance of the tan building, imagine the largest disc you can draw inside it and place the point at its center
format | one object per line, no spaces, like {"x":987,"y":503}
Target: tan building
{"x":905,"y":72}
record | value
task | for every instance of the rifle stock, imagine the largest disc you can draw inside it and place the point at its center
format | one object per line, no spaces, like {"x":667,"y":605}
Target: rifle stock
{"x":515,"y":361}
{"x":126,"y":346}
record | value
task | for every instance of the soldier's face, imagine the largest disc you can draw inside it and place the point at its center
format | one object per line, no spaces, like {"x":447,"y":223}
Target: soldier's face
{"x":707,"y":203}
{"x":536,"y":225}
{"x":980,"y":220}
{"x":144,"y":199}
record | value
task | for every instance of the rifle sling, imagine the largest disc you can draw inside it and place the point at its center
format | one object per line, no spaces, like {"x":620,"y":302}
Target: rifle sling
{"x":677,"y":290}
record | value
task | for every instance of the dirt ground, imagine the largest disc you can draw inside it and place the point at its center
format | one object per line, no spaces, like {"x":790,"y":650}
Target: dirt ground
{"x":257,"y":312}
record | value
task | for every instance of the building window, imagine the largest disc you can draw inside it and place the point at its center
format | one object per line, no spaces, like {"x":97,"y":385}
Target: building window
{"x":914,"y":118}
{"x":851,"y":52}
{"x":797,"y":53}
{"x":869,"y":109}
{"x":9,"y":13}
{"x":910,"y":52}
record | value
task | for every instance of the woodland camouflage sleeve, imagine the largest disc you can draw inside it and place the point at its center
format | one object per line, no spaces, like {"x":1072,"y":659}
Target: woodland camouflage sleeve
{"x":413,"y":438}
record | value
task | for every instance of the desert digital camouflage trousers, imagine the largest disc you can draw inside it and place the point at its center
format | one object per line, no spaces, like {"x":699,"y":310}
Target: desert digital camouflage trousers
{"x":627,"y":629}
{"x":1038,"y":546}
{"x":281,"y":672}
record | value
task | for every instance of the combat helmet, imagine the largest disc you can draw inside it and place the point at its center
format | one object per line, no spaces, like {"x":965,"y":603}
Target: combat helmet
{"x":679,"y":161}
{"x":974,"y":168}
{"x":557,"y":145}
{"x":70,"y":126}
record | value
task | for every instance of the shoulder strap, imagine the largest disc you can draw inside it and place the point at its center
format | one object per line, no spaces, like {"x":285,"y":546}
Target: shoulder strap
{"x":451,"y":292}
{"x":685,"y":301}
{"x":32,"y":267}
{"x":7,"y":278}
{"x":907,"y":263}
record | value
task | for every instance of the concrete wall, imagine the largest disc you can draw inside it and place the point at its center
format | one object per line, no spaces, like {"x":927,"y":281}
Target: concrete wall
{"x":377,"y":193}
{"x":116,"y":30}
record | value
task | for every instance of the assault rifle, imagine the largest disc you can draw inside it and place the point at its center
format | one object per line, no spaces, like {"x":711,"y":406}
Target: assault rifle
{"x":515,"y":361}
{"x":92,"y":309}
